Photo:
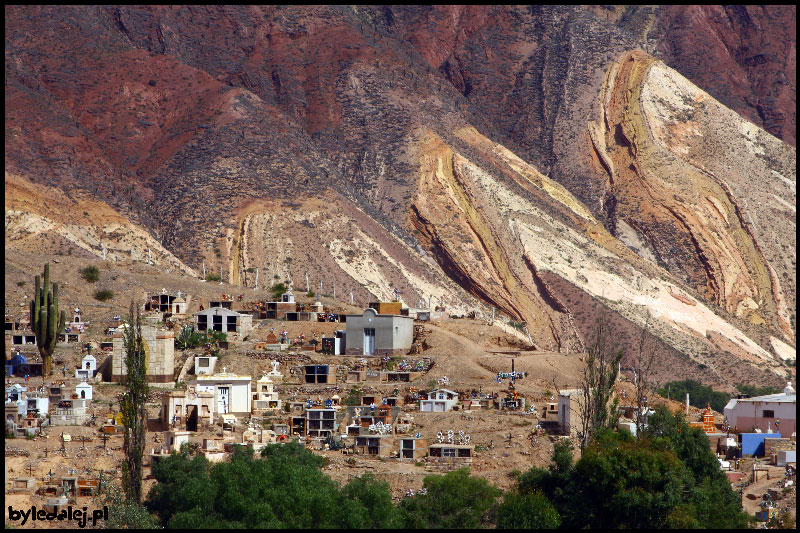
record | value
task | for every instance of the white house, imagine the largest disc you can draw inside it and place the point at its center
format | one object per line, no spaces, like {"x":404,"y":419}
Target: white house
{"x":777,"y":412}
{"x":84,"y":390}
{"x":88,"y":367}
{"x":439,"y":400}
{"x":231,"y":392}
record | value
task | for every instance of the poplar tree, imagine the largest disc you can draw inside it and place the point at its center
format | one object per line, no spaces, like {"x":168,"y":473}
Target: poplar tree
{"x":132,"y":406}
{"x":597,"y":407}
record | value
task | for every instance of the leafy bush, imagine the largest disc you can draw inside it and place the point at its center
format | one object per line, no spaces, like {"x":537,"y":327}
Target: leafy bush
{"x":278,"y":289}
{"x":20,"y":284}
{"x":90,"y":274}
{"x":188,"y":338}
{"x":212,"y":277}
{"x":310,"y":294}
{"x":103,"y":295}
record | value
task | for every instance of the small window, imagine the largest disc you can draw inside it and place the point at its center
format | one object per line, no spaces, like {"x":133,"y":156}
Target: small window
{"x":768,"y":414}
{"x":396,"y":330}
{"x":448,"y":452}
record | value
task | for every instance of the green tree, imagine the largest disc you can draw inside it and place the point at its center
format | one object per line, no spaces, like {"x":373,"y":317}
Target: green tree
{"x":668,"y":478}
{"x":46,"y":320}
{"x":367,"y":504}
{"x":597,"y":405}
{"x":711,"y":501}
{"x":752,"y":390}
{"x":699,"y":395}
{"x":526,"y":511}
{"x":453,"y":501}
{"x":122,"y":513}
{"x":283,"y":488}
{"x":132,"y":406}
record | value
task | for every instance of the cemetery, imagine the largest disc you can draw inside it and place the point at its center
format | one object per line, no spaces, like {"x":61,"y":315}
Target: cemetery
{"x":379,"y":389}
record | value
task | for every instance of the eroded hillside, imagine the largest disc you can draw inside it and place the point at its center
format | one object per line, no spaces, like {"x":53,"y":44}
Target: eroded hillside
{"x":532,"y":159}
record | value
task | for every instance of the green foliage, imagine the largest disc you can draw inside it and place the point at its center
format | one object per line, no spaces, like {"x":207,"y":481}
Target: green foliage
{"x":188,"y":338}
{"x":46,"y":321}
{"x":90,"y":274}
{"x":699,"y":395}
{"x":21,"y":283}
{"x":215,"y":337}
{"x":310,"y":294}
{"x":133,"y":408}
{"x":103,"y":295}
{"x":277,"y":290}
{"x":367,"y":504}
{"x":284,"y":488}
{"x":667,"y":479}
{"x":212,"y":277}
{"x":125,"y":514}
{"x":454,"y":501}
{"x":752,"y":390}
{"x":526,"y":511}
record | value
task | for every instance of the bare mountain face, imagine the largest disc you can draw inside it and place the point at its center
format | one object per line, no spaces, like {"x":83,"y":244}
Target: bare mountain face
{"x":553,"y":162}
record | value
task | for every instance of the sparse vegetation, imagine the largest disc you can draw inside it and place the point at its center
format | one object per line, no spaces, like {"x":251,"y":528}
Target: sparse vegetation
{"x":310,"y":294}
{"x":103,"y":295}
{"x":353,"y":397}
{"x":212,"y":277}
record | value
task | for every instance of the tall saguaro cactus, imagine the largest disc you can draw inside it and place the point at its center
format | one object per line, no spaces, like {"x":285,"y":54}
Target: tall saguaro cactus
{"x":46,"y":320}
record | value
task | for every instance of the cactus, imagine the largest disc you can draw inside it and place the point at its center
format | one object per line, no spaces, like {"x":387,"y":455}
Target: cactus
{"x":46,"y":321}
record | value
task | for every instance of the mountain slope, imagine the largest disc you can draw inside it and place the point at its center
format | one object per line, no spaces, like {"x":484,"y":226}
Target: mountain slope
{"x":531,"y":159}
